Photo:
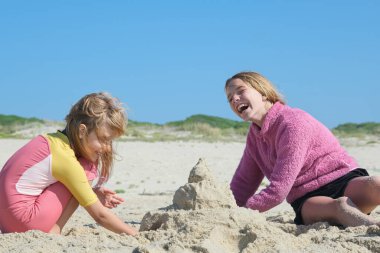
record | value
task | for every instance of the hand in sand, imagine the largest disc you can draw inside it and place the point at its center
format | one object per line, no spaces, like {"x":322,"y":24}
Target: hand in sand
{"x":108,"y":197}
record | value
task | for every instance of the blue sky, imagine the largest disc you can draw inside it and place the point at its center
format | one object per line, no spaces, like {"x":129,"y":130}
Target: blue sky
{"x":167,"y":60}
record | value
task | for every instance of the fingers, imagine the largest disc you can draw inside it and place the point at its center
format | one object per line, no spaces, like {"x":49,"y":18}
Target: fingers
{"x":110,"y":198}
{"x":116,"y":201}
{"x":108,"y":191}
{"x":113,"y":195}
{"x":118,"y":198}
{"x":113,"y":201}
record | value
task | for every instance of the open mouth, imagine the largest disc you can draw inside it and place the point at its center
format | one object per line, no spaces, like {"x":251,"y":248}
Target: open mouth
{"x":242,"y":107}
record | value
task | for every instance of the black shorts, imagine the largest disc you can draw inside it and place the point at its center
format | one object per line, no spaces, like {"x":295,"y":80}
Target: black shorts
{"x":334,"y":189}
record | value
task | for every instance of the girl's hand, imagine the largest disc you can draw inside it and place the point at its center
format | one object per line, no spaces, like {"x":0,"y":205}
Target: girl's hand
{"x":108,"y":197}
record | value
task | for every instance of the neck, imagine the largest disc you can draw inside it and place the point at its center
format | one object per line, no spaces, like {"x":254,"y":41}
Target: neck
{"x":267,"y":106}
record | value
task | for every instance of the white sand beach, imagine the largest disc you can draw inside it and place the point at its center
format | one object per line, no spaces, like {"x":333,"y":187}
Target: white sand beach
{"x":150,"y":174}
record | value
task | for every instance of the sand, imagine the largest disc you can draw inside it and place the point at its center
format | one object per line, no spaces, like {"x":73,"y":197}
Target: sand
{"x":182,"y":204}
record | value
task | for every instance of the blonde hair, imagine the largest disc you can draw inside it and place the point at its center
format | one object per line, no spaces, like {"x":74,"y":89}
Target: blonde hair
{"x":94,"y":110}
{"x":259,"y":83}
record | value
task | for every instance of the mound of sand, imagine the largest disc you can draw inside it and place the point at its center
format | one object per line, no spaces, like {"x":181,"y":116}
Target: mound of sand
{"x":202,"y":191}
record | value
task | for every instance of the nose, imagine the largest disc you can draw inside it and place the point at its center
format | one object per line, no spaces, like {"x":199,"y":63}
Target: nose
{"x":106,"y":148}
{"x":235,"y":98}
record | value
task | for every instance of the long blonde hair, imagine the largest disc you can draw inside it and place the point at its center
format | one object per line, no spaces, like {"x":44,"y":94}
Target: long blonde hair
{"x":259,"y":83}
{"x":94,"y":110}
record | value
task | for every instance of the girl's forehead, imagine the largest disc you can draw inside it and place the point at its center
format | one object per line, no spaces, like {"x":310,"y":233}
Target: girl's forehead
{"x":234,"y":85}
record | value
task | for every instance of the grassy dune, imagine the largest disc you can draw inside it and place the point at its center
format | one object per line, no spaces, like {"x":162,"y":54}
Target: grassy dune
{"x":197,"y":127}
{"x":357,"y":130}
{"x":12,"y":126}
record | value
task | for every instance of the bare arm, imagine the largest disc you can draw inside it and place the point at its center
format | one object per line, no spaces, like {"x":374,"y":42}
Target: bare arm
{"x":107,"y":219}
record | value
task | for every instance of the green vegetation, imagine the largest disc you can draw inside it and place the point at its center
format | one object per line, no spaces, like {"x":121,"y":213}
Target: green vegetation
{"x":357,"y":130}
{"x":13,"y":120}
{"x":132,"y":123}
{"x":119,"y":191}
{"x":211,"y":128}
{"x":195,"y":128}
{"x":215,"y":122}
{"x":10,"y":124}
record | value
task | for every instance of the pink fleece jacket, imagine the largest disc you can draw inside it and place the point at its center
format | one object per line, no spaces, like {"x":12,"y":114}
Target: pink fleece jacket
{"x":295,"y":152}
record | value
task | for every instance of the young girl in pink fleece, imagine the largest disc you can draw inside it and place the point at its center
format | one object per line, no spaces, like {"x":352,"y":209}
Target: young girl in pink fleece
{"x":300,"y":157}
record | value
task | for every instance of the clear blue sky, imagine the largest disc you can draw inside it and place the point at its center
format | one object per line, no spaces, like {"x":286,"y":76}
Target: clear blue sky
{"x":167,"y":60}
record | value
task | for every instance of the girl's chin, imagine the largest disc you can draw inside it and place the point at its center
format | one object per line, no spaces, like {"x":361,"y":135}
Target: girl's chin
{"x":96,"y":159}
{"x":245,"y":118}
{"x":249,"y":117}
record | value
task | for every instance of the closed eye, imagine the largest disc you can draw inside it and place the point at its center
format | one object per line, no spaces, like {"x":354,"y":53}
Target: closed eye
{"x":240,"y":90}
{"x":105,"y":140}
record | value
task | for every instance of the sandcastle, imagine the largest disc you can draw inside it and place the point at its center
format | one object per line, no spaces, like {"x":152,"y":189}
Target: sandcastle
{"x":202,"y":191}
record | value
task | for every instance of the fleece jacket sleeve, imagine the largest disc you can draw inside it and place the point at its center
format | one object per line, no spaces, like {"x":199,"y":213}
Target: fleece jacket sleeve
{"x":246,"y":179}
{"x":292,"y":145}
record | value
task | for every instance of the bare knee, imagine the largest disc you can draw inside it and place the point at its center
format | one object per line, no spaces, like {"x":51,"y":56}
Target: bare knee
{"x":364,"y":192}
{"x":374,"y":183}
{"x":369,"y":184}
{"x":323,"y":209}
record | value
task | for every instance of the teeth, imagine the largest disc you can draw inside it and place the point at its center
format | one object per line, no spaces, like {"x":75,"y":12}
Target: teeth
{"x":242,"y":107}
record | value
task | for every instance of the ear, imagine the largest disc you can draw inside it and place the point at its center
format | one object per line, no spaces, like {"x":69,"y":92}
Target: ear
{"x":82,"y":130}
{"x":265,"y":98}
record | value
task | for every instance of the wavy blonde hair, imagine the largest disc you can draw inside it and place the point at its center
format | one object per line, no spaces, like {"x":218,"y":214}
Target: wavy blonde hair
{"x":259,"y":83}
{"x":94,"y":110}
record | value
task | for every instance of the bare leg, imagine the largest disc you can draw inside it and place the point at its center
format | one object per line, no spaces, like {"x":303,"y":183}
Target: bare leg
{"x":364,"y":192}
{"x":335,"y":211}
{"x":72,"y":205}
{"x":361,"y":196}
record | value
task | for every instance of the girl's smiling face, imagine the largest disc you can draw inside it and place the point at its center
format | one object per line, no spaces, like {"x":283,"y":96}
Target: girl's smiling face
{"x":96,"y":142}
{"x":246,"y":102}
